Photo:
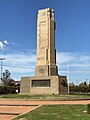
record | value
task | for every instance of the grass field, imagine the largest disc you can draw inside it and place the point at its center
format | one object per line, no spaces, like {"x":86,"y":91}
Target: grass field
{"x":58,"y":112}
{"x":46,"y":97}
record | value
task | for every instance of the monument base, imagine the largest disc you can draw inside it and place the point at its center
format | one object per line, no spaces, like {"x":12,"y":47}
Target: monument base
{"x":53,"y":85}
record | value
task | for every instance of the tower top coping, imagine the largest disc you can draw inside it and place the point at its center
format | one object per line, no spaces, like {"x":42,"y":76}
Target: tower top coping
{"x":46,"y":9}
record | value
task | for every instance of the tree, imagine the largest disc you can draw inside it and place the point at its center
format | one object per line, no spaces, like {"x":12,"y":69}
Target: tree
{"x":6,"y":79}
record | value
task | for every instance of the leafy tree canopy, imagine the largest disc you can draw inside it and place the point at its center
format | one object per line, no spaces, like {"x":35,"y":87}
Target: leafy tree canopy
{"x":6,"y":79}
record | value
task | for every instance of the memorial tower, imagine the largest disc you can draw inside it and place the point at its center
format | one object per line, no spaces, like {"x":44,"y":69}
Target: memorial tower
{"x":46,"y":79}
{"x":46,"y":53}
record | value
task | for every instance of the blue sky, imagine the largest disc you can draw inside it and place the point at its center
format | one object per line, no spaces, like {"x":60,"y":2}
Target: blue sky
{"x":18,"y":22}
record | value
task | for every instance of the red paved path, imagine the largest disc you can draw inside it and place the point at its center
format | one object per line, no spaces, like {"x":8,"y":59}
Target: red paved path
{"x":34,"y":102}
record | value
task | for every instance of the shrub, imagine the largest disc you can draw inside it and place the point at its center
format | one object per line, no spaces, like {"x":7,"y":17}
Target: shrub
{"x":88,"y":108}
{"x":9,"y":89}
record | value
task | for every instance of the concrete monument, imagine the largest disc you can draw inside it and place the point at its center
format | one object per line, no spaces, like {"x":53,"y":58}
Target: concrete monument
{"x":46,"y":80}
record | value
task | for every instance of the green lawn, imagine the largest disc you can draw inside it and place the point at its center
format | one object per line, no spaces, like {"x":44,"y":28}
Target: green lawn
{"x":58,"y":112}
{"x":45,"y":97}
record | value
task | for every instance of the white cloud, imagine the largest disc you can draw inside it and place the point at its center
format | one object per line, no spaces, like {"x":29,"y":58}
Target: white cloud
{"x":19,"y":62}
{"x":15,"y":44}
{"x":2,"y":46}
{"x":19,"y":58}
{"x":6,"y":42}
{"x":85,"y":58}
{"x":63,"y":57}
{"x":73,"y":59}
{"x":74,"y":65}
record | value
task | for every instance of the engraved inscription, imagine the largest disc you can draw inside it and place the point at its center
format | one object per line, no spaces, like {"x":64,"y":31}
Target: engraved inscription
{"x":41,"y":70}
{"x":41,"y":83}
{"x":41,"y":58}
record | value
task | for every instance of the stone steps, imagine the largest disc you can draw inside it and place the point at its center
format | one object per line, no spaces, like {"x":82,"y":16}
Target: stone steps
{"x":17,"y":105}
{"x":9,"y":111}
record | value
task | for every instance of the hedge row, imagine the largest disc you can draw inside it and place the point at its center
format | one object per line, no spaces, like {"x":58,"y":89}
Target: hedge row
{"x":83,"y":89}
{"x":9,"y":89}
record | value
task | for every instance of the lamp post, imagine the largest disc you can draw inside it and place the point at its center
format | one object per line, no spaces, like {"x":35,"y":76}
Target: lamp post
{"x":1,"y":59}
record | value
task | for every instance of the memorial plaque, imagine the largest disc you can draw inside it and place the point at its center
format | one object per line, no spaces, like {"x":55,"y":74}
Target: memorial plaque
{"x":41,"y":83}
{"x":41,"y":70}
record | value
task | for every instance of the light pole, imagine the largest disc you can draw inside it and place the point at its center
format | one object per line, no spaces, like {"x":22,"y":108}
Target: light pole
{"x":87,"y":81}
{"x":68,"y":75}
{"x":1,"y":59}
